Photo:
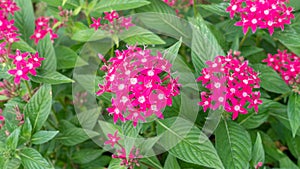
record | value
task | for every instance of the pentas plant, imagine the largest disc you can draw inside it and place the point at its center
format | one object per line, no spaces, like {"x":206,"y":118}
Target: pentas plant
{"x":43,"y":26}
{"x":25,"y":63}
{"x":112,"y":22}
{"x":287,"y":65}
{"x":141,"y":82}
{"x":128,"y":160}
{"x":2,"y":119}
{"x":264,"y":14}
{"x":232,"y":83}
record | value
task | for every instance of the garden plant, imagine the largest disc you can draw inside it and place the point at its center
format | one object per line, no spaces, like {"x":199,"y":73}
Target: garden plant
{"x":150,"y":84}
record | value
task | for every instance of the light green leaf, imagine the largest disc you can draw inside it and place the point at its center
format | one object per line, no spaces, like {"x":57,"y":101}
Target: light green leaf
{"x":51,"y":78}
{"x":39,"y":107}
{"x":31,"y":159}
{"x":13,"y":163}
{"x":23,"y":46}
{"x":294,"y":112}
{"x":193,"y":147}
{"x":115,"y":163}
{"x":218,"y":8}
{"x":24,"y":19}
{"x":41,"y":137}
{"x":73,"y":136}
{"x":118,"y":5}
{"x":26,"y":130}
{"x":258,"y":153}
{"x":171,"y":163}
{"x":67,"y":58}
{"x":287,"y":163}
{"x":156,"y":6}
{"x":172,"y":52}
{"x":89,"y":35}
{"x":270,"y":80}
{"x":46,"y":50}
{"x":233,"y":144}
{"x":13,"y":138}
{"x":137,"y":35}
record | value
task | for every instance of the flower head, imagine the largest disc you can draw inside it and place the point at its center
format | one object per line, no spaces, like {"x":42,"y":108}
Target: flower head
{"x":141,"y":82}
{"x":287,"y":65}
{"x":232,"y":84}
{"x":113,"y":139}
{"x":43,"y":26}
{"x":2,"y":119}
{"x":264,"y":14}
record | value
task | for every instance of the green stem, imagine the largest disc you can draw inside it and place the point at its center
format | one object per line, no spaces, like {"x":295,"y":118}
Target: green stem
{"x":195,"y":9}
{"x":28,"y":88}
{"x":282,"y":96}
{"x":112,"y":49}
{"x":243,"y":40}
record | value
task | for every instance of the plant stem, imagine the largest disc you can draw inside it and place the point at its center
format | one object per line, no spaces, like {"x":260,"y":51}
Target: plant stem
{"x":112,"y":49}
{"x":282,"y":96}
{"x":243,"y":40}
{"x":195,"y":9}
{"x":28,"y":88}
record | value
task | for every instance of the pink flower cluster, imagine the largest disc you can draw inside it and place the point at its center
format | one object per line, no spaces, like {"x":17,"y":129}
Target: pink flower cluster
{"x":231,"y":83}
{"x":43,"y":26}
{"x":8,"y":32}
{"x":130,"y":160}
{"x":287,"y":65}
{"x":141,"y":82}
{"x":265,"y":14}
{"x":112,"y":22}
{"x":2,"y":119}
{"x":25,"y":63}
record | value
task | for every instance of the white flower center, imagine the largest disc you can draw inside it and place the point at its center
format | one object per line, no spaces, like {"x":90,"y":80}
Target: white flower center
{"x":221,"y":99}
{"x":234,"y":7}
{"x":19,"y":58}
{"x":270,"y":23}
{"x":237,"y":108}
{"x":207,"y":76}
{"x":19,"y":72}
{"x":161,"y":96}
{"x":150,"y":73}
{"x":141,"y":99}
{"x":121,"y":86}
{"x":245,"y":81}
{"x":124,"y":99}
{"x":286,"y":77}
{"x":117,"y":111}
{"x":133,"y":81}
{"x":245,"y":94}
{"x":253,"y":9}
{"x":266,"y":12}
{"x":127,"y":72}
{"x":232,"y":90}
{"x":38,"y":35}
{"x":154,"y":107}
{"x":254,"y":21}
{"x":217,"y":85}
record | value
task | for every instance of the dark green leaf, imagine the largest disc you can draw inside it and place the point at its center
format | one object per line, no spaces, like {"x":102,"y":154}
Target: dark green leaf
{"x":24,"y":19}
{"x":41,"y":137}
{"x":156,"y":6}
{"x":39,"y":107}
{"x":294,"y":112}
{"x":219,"y":8}
{"x":86,"y":155}
{"x":46,"y":50}
{"x":26,"y":130}
{"x":23,"y":46}
{"x":286,"y":163}
{"x":73,"y":136}
{"x":233,"y":144}
{"x":270,"y":80}
{"x":117,"y":5}
{"x":171,"y":163}
{"x":258,"y":153}
{"x":31,"y":159}
{"x":89,"y":35}
{"x":67,"y":58}
{"x":172,"y":52}
{"x":51,"y":78}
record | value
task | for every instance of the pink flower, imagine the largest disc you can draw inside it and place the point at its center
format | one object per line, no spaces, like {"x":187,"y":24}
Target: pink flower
{"x":96,"y":23}
{"x":110,"y":16}
{"x":2,"y":119}
{"x":19,"y":73}
{"x":232,"y":83}
{"x":287,"y":65}
{"x":19,"y":58}
{"x":134,"y":76}
{"x":265,"y":14}
{"x":42,"y":28}
{"x":128,"y":160}
{"x":113,"y":139}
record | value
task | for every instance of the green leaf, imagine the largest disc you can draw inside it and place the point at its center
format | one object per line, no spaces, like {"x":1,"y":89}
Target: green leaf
{"x":156,"y":6}
{"x":56,"y":3}
{"x":290,"y":37}
{"x":194,"y":146}
{"x":270,"y":80}
{"x":13,"y":138}
{"x":258,"y":153}
{"x":24,"y":19}
{"x":51,"y":78}
{"x":26,"y":130}
{"x":204,"y":44}
{"x":86,"y":155}
{"x":219,"y":8}
{"x":39,"y":107}
{"x":137,"y":35}
{"x":286,"y":163}
{"x":31,"y":159}
{"x":13,"y":163}
{"x":118,"y":5}
{"x":23,"y":46}
{"x":115,"y":163}
{"x":89,"y":35}
{"x":233,"y":144}
{"x":41,"y":137}
{"x":46,"y":50}
{"x":67,"y":58}
{"x":171,"y":163}
{"x":294,"y":112}
{"x":172,"y":52}
{"x":73,"y":136}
